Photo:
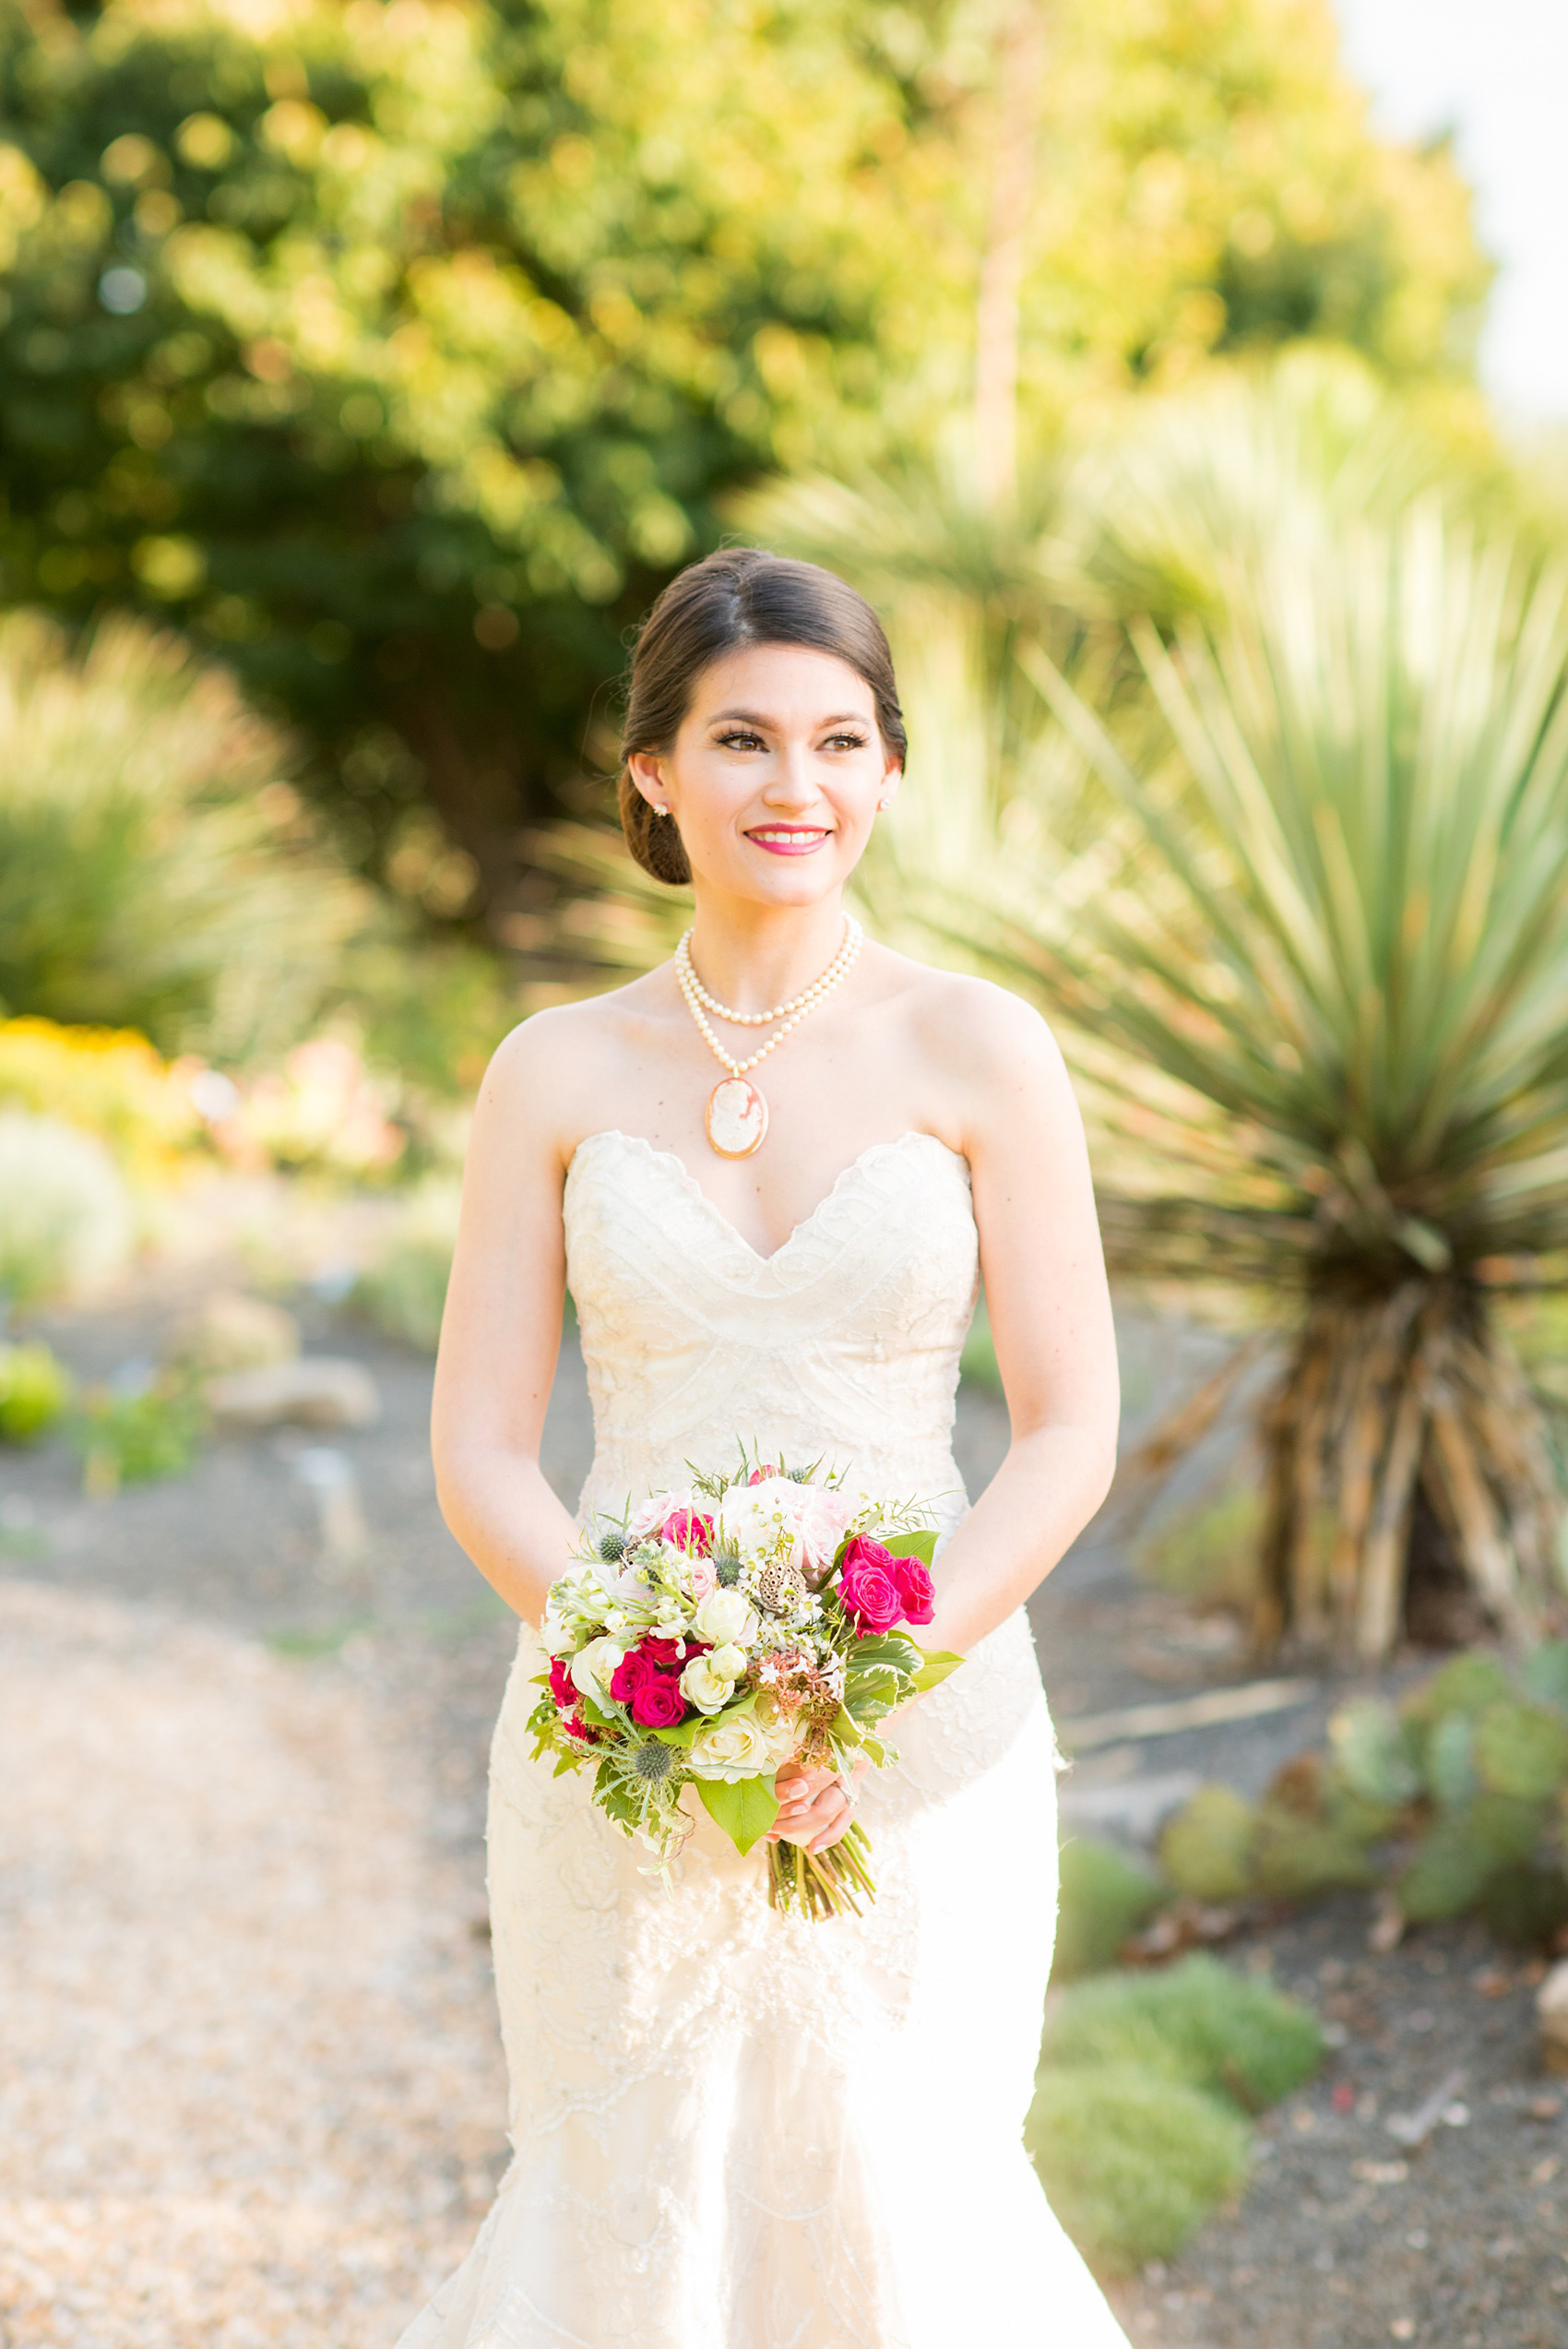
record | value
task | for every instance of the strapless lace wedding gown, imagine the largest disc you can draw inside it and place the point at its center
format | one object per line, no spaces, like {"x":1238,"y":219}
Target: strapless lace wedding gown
{"x":733,"y":2130}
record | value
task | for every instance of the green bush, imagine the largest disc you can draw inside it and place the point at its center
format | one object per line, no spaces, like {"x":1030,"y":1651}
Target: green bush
{"x":35,"y":1387}
{"x":1103,"y":1899}
{"x":156,"y":869}
{"x":1133,"y":2161}
{"x":65,"y":1217}
{"x":1197,"y":2022}
{"x":132,"y":1438}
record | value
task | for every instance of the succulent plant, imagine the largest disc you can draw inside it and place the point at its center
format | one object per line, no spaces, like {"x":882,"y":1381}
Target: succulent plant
{"x":1463,"y":1850}
{"x":1207,"y":1849}
{"x":1450,"y":1763}
{"x":1527,"y":1906}
{"x":1546,"y":1674}
{"x":1295,"y":1857}
{"x":1447,"y":1874}
{"x":1521,"y":1751}
{"x":1375,"y":1752}
{"x":1467,"y":1685}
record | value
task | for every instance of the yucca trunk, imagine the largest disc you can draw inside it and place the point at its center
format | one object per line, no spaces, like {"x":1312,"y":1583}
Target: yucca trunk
{"x":1387,"y":1395}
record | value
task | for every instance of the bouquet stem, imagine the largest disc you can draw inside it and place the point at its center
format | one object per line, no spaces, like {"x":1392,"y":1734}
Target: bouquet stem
{"x":821,"y":1884}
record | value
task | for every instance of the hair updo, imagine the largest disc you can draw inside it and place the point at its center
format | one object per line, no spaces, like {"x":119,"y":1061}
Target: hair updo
{"x":737,"y":597}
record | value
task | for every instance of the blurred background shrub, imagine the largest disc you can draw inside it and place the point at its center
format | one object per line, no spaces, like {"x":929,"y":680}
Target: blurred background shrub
{"x":66,"y":1219}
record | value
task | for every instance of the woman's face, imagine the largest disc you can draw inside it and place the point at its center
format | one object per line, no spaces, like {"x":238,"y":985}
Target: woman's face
{"x":776,"y":775}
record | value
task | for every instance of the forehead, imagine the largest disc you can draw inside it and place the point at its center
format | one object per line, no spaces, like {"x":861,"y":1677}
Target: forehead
{"x":790,"y":683}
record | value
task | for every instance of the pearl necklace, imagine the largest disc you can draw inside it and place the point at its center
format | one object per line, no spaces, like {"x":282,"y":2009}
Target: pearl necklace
{"x":737,"y":1112}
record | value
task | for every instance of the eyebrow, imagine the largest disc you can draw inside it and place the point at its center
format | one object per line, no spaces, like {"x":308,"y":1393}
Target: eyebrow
{"x":753,"y":718}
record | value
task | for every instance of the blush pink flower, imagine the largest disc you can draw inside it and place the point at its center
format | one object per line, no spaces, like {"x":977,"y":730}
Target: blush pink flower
{"x":868,"y":1585}
{"x":700,"y":1579}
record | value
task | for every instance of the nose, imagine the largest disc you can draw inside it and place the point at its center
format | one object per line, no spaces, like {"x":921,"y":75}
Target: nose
{"x":790,"y":783}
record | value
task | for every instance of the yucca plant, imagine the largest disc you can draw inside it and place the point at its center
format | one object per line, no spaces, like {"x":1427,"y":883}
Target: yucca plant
{"x":1316,"y":968}
{"x":157,"y":870}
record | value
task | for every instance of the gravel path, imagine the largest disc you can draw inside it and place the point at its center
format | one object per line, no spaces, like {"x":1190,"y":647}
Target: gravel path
{"x":251,"y":2090}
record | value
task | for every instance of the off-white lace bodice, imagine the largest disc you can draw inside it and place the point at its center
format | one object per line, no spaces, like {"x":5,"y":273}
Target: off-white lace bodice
{"x":734,"y":2131}
{"x":847,"y":1339}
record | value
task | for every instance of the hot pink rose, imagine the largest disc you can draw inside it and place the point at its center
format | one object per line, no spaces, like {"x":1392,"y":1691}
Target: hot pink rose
{"x":560,"y":1686}
{"x":687,"y":1531}
{"x":915,"y":1589}
{"x":670,"y":1655}
{"x":579,"y":1729}
{"x":629,"y":1675}
{"x":659,"y":1703}
{"x":868,"y":1585}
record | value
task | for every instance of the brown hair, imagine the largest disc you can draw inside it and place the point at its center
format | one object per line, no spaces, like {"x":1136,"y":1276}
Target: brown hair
{"x":737,"y":597}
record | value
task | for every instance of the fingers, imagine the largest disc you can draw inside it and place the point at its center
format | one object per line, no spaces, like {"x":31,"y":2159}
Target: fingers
{"x":839,"y":1823}
{"x":810,"y":1806}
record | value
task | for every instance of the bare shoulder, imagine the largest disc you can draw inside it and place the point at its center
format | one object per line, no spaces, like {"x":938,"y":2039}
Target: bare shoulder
{"x":980,"y":1035}
{"x":541,"y":1073}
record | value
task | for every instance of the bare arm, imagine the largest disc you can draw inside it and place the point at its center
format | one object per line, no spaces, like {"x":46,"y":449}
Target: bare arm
{"x":502,"y":1332}
{"x":1049,"y":1317}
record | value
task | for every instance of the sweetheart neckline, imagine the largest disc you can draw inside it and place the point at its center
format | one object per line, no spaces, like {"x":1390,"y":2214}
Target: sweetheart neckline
{"x":690,"y":1184}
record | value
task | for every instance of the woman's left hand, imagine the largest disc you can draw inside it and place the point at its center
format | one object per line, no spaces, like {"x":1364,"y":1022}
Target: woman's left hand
{"x":816,"y":1807}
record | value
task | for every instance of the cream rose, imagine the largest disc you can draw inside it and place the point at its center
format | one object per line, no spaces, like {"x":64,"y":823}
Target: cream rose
{"x":726,"y":1618}
{"x":737,"y":1746}
{"x":783,"y":1734}
{"x":704,"y":1688}
{"x":729,"y":1661}
{"x":592,"y":1670}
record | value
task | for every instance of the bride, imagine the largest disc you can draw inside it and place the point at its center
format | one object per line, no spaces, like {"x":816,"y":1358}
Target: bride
{"x":770,"y":1172}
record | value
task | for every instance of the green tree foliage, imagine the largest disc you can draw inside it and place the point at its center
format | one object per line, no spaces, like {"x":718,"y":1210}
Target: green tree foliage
{"x":401,"y":350}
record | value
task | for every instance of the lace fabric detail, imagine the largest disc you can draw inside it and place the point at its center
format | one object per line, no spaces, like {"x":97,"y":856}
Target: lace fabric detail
{"x":734,"y":2131}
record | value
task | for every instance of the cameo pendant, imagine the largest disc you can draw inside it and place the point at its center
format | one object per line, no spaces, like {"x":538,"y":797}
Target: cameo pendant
{"x":737,"y":1117}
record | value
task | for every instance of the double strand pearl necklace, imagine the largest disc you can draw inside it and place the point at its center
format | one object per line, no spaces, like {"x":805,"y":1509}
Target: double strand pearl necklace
{"x":737,"y":1112}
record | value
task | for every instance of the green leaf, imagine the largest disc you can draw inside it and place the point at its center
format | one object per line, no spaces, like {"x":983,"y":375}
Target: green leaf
{"x":936,"y":1668}
{"x":890,"y":1648}
{"x":879,"y":1689}
{"x":683,"y":1732}
{"x":746,"y":1809}
{"x":921,"y":1544}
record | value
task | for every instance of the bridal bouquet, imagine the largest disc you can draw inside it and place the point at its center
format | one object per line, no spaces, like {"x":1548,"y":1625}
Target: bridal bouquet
{"x":722,"y":1630}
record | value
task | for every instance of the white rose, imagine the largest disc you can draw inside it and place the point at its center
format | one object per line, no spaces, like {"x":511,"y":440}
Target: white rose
{"x":592,"y":1670}
{"x":737,"y":1746}
{"x":726,"y":1616}
{"x":704,"y":1688}
{"x":555,"y":1637}
{"x":729,"y":1661}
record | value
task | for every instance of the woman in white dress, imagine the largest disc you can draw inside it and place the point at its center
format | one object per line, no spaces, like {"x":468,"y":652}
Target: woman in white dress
{"x":734,"y":2130}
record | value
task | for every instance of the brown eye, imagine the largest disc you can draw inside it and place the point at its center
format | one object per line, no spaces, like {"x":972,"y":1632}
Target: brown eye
{"x":740,"y":741}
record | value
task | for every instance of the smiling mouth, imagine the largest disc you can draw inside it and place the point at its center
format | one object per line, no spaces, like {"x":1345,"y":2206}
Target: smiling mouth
{"x":790,"y":840}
